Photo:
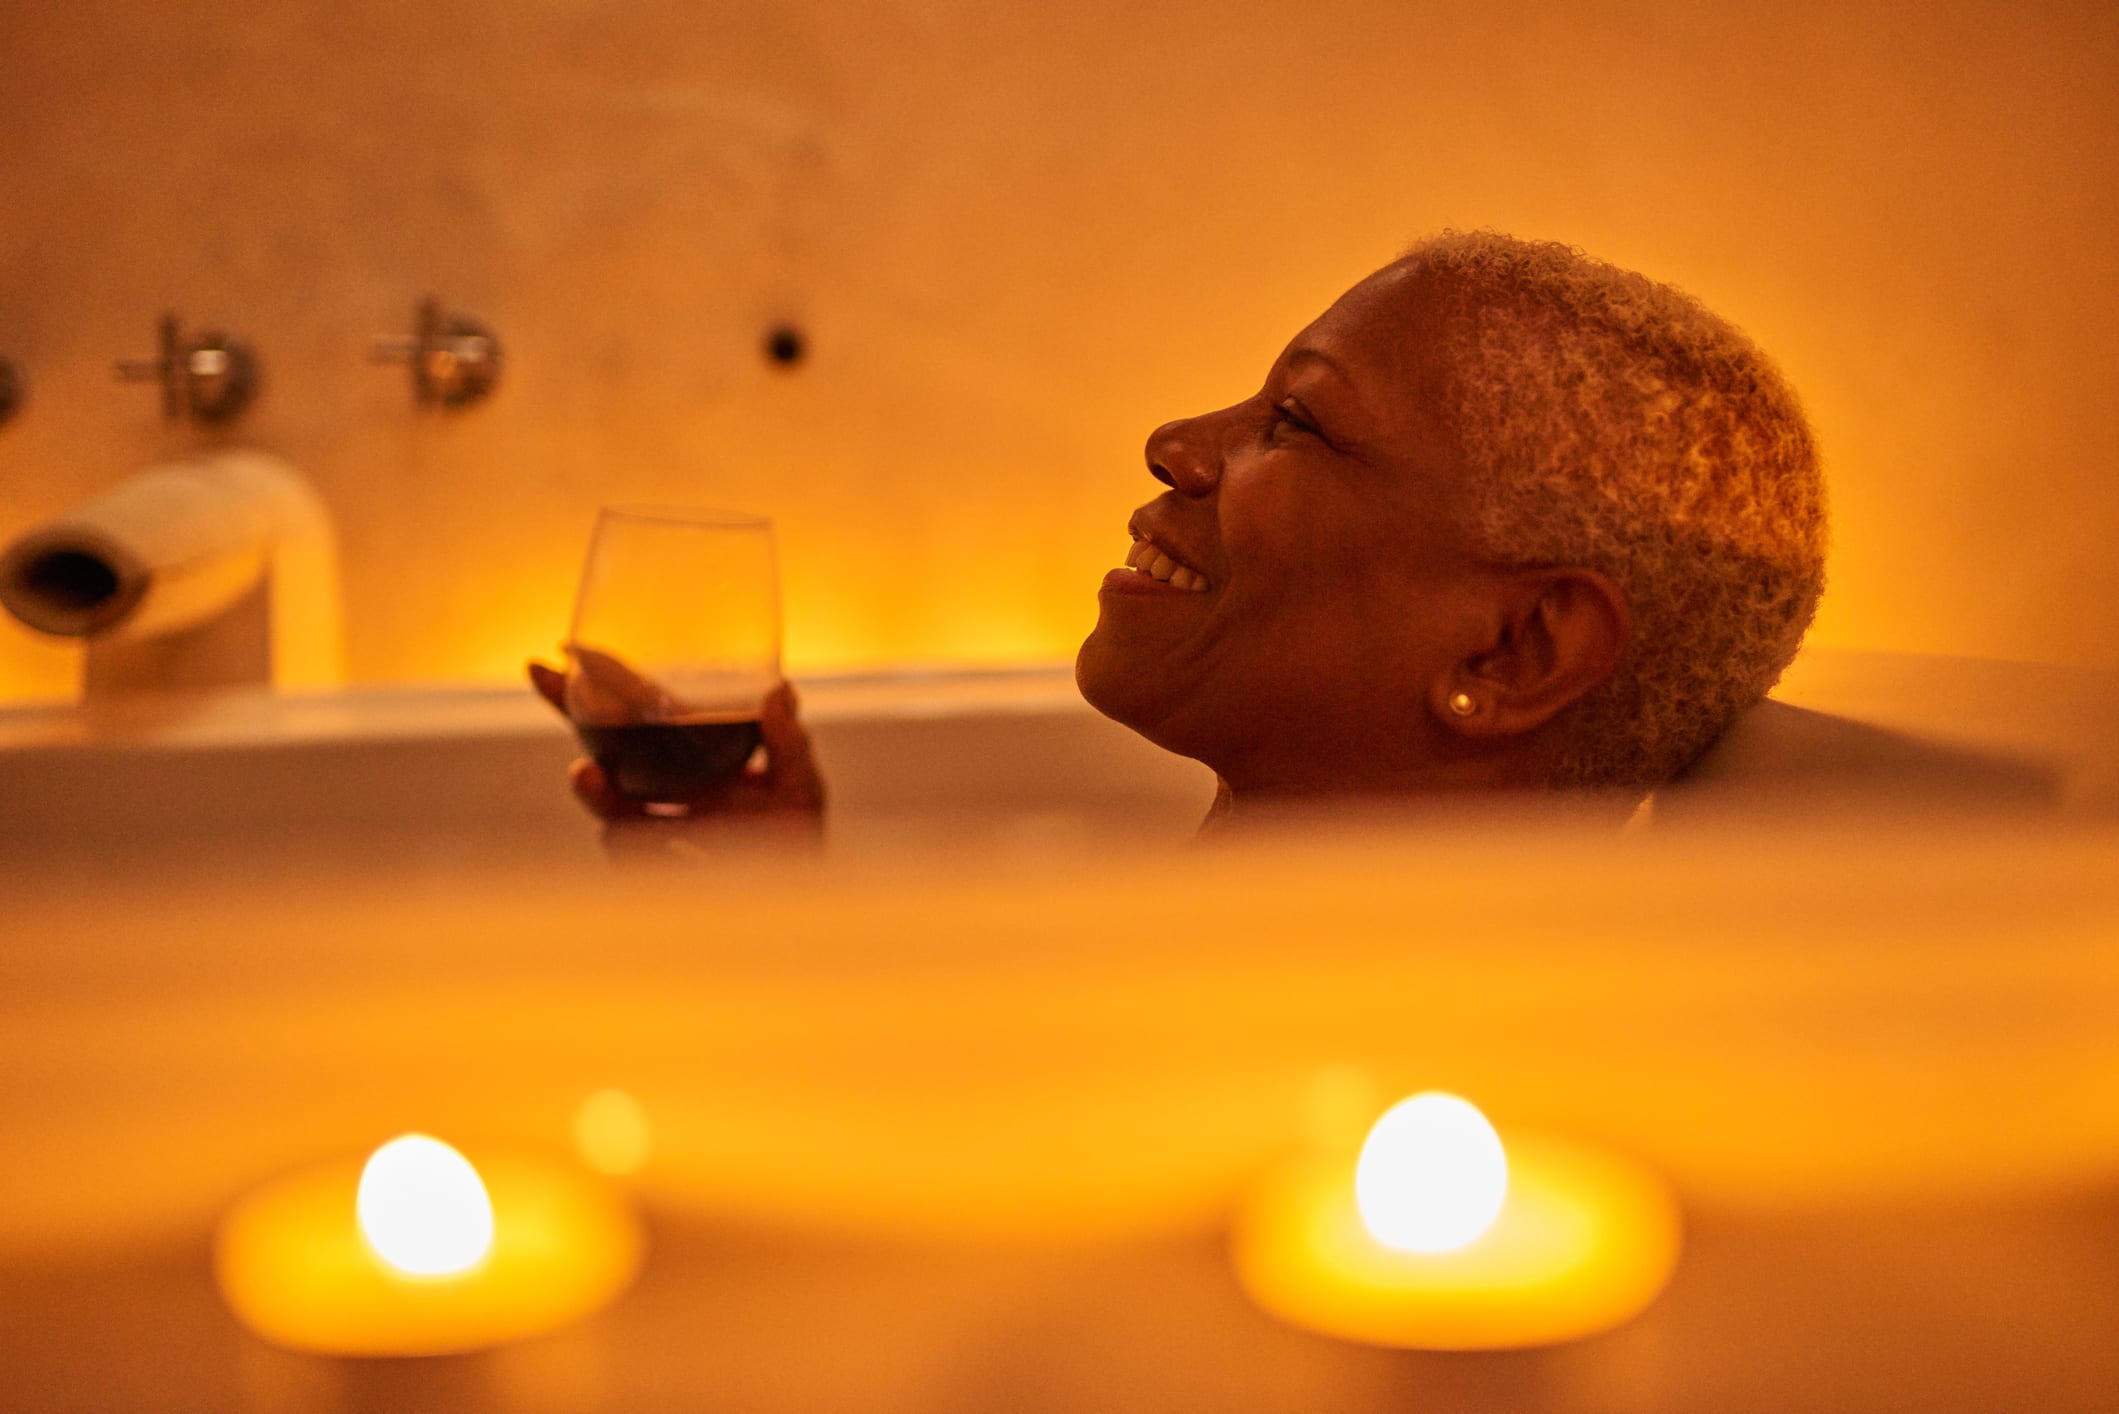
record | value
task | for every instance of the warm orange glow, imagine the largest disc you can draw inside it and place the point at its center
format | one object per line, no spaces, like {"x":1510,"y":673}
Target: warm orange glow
{"x":611,"y":1133}
{"x":795,"y":1039}
{"x":297,"y":1268}
{"x":1584,"y":1242}
{"x":34,"y":668}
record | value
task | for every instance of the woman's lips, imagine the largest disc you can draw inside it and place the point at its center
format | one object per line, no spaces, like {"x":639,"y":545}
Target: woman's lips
{"x":1154,"y":560}
{"x":1125,"y":581}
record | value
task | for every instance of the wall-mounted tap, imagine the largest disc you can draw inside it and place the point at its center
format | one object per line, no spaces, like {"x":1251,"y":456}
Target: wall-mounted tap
{"x":210,"y":378}
{"x":216,"y":570}
{"x":455,"y":359}
{"x":10,"y":390}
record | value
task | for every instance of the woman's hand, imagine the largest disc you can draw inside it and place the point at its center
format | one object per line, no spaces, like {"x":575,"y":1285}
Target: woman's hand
{"x":783,"y":795}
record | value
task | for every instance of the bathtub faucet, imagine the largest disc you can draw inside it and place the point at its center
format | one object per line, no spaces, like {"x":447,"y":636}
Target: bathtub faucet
{"x":220,"y":570}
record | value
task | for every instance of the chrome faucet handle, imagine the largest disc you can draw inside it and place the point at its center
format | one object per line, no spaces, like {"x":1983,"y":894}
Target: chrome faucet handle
{"x":455,"y":359}
{"x":210,"y":378}
{"x":10,"y":390}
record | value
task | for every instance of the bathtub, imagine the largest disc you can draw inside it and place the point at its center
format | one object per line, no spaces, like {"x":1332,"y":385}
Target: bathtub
{"x":993,"y":761}
{"x":1015,"y":1046}
{"x":439,"y":776}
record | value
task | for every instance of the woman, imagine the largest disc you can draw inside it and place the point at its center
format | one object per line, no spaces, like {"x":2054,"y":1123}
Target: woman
{"x":1504,"y":518}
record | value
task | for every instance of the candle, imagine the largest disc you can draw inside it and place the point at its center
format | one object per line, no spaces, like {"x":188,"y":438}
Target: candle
{"x":1440,"y":1235}
{"x":419,"y":1252}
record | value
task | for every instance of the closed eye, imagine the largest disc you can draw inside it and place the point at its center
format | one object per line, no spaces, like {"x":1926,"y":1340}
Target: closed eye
{"x":1290,"y":413}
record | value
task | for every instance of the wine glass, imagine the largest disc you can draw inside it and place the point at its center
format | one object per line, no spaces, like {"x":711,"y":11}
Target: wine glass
{"x":674,"y":647}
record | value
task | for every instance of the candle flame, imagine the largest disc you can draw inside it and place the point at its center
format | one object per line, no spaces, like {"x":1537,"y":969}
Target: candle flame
{"x":423,"y":1208}
{"x":1432,"y":1175}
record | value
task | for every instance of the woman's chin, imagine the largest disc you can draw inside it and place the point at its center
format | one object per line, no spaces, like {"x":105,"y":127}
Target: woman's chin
{"x":1115,"y":683}
{"x":1093,"y":675}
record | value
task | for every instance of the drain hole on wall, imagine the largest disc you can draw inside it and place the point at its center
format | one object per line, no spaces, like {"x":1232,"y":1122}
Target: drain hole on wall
{"x":785,"y":345}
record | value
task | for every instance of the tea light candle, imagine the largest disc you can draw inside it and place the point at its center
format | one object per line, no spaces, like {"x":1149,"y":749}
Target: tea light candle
{"x":1440,"y":1236}
{"x":417,"y":1252}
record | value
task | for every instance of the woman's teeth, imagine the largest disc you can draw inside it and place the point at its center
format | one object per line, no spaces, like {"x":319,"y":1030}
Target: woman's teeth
{"x":1149,"y":560}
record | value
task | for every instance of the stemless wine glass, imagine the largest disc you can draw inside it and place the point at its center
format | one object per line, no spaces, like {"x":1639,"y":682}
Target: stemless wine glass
{"x":674,"y":646}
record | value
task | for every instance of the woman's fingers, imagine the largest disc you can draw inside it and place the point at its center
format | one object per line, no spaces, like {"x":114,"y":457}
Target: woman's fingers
{"x":791,"y":764}
{"x":610,"y":690}
{"x":551,"y":684}
{"x":594,"y":790}
{"x":779,"y":721}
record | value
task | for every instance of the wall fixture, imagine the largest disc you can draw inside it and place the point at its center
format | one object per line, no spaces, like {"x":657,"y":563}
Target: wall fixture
{"x":455,"y":359}
{"x":10,"y":390}
{"x":210,"y":378}
{"x":211,"y":571}
{"x":785,"y":345}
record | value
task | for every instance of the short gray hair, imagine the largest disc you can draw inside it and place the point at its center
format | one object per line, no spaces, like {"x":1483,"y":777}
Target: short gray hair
{"x":1607,"y":421}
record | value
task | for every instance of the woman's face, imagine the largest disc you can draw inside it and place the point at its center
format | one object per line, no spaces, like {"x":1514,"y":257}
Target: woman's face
{"x":1315,"y":587}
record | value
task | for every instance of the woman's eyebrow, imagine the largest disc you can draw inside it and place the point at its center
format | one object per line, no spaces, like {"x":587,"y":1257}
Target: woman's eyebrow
{"x":1304,"y":353}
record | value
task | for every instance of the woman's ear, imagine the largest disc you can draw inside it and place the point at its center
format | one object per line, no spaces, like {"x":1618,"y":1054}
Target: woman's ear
{"x":1558,"y":634}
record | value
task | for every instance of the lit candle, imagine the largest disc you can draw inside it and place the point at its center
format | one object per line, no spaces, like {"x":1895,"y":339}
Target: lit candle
{"x":1439,"y":1236}
{"x":418,"y":1252}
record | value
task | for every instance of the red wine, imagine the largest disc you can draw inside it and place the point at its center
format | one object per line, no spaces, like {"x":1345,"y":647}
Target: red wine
{"x":670,"y":761}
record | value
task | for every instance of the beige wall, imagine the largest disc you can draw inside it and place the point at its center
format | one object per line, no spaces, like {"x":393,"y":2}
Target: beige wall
{"x":1020,"y":235}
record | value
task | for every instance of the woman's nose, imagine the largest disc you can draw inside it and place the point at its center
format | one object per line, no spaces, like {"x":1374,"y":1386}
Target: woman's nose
{"x":1185,"y":456}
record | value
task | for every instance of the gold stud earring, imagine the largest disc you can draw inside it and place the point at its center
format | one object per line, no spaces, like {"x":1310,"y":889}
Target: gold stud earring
{"x":1463,"y":704}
